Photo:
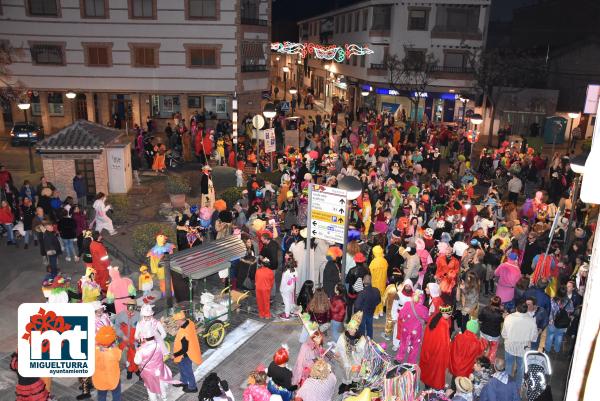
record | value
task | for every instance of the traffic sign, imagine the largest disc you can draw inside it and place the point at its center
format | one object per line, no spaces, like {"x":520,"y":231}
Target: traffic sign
{"x":328,"y":213}
{"x":258,"y":121}
{"x":270,"y":140}
{"x":285,"y":106}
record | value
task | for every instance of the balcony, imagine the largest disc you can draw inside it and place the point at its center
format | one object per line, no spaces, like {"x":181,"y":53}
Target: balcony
{"x":253,"y":21}
{"x":378,"y":66}
{"x":442,"y":71}
{"x":377,"y":69}
{"x":254,"y":67}
{"x":453,"y":32}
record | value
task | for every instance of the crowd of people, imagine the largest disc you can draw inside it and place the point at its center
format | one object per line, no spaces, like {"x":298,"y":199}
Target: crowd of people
{"x":452,"y":250}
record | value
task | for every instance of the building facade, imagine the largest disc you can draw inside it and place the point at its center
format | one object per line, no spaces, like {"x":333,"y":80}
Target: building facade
{"x":131,"y":59}
{"x":450,"y":31}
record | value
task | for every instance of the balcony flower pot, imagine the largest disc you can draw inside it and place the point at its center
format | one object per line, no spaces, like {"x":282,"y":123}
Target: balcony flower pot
{"x":178,"y":187}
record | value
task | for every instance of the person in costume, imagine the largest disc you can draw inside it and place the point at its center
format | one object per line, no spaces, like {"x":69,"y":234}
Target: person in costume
{"x":125,"y":323}
{"x":145,"y":281}
{"x":447,"y":268}
{"x":119,"y":290}
{"x":86,"y":240}
{"x":508,"y":274}
{"x":28,"y":388}
{"x":90,"y":289}
{"x":378,"y":268}
{"x":100,"y":260}
{"x":465,"y":349}
{"x":320,"y":385}
{"x":287,"y":287}
{"x":435,"y":352}
{"x":101,"y":219}
{"x":350,"y":348}
{"x":158,"y":165}
{"x":310,"y":350}
{"x":545,"y":267}
{"x":155,"y":374}
{"x":186,"y":349}
{"x":102,"y":318}
{"x":411,"y":322}
{"x":107,"y":376}
{"x":156,"y":254}
{"x":332,"y":270}
{"x":280,"y":376}
{"x":207,"y":189}
{"x":264,"y":278}
{"x":435,"y":299}
{"x":148,"y":327}
{"x":257,"y":386}
{"x":389,"y":296}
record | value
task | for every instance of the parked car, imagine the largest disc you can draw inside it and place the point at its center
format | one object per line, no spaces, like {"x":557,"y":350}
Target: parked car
{"x":27,"y":133}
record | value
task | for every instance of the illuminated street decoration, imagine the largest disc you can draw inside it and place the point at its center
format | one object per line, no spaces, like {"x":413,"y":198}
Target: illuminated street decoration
{"x":473,"y":136}
{"x":321,"y":52}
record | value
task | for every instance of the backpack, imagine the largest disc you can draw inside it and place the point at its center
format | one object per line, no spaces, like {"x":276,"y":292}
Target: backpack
{"x":562,"y":320}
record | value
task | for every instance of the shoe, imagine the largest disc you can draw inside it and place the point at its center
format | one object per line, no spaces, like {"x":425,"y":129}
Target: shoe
{"x":283,"y":316}
{"x":76,"y":259}
{"x":388,"y":338}
{"x":190,"y":390}
{"x":179,"y":385}
{"x":84,"y":396}
{"x":114,"y":233}
{"x":129,"y":375}
{"x":68,"y":259}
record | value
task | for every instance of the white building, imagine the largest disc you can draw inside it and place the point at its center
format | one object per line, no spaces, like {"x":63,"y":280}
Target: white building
{"x":129,"y":59}
{"x":450,"y":30}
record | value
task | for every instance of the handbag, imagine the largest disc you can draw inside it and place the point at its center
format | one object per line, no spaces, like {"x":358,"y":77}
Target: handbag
{"x":248,"y":283}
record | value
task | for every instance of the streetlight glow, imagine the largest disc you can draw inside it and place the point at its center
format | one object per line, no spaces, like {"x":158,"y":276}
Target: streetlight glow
{"x":286,"y":69}
{"x":269,"y":110}
{"x":24,"y":106}
{"x":293,"y":91}
{"x":71,"y":95}
{"x":573,"y":115}
{"x":476,"y":119}
{"x":365,"y":93}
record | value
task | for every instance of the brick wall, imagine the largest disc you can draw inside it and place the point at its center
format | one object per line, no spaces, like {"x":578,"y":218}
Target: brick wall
{"x":60,"y":173}
{"x":101,"y":173}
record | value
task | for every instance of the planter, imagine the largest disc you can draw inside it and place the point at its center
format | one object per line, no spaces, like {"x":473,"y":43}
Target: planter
{"x":177,"y":200}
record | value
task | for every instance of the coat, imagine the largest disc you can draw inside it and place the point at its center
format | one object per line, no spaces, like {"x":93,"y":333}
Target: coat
{"x":378,"y":268}
{"x":331,"y":276}
{"x":149,"y":357}
{"x":338,"y":308}
{"x":508,"y":275}
{"x":446,"y":272}
{"x":368,"y":300}
{"x":465,"y":349}
{"x":500,"y":388}
{"x":107,"y":373}
{"x":186,"y":343}
{"x":100,"y":263}
{"x":435,"y":353}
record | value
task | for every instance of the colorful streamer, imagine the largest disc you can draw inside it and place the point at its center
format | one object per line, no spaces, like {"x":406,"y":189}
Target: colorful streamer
{"x":321,"y":52}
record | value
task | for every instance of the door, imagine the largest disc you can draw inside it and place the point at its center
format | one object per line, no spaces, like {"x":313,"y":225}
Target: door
{"x":86,"y":167}
{"x":449,"y":110}
{"x":81,"y":107}
{"x":121,"y":107}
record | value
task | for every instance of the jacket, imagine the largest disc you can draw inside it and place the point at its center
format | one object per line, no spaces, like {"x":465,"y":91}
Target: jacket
{"x":500,"y":388}
{"x":27,"y":214}
{"x":367,"y":300}
{"x":491,"y":321}
{"x":51,"y":243}
{"x":6,"y":215}
{"x":271,"y":251}
{"x":107,"y":373}
{"x":519,"y":331}
{"x":79,"y":187}
{"x":67,"y":228}
{"x":331,"y":276}
{"x":338,"y":308}
{"x":187,"y":344}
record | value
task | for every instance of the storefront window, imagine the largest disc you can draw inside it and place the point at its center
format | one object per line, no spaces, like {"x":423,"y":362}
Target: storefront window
{"x":194,"y":102}
{"x":165,"y":106}
{"x":218,"y":106}
{"x":55,"y":104}
{"x":36,"y":108}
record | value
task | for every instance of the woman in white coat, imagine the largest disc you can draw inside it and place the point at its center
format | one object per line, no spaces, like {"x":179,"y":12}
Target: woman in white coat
{"x":288,"y":285}
{"x":101,"y":219}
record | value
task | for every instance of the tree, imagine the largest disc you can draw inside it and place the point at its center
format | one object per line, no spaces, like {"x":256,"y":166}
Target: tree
{"x":499,"y":72}
{"x":10,"y":88}
{"x":410,"y":77}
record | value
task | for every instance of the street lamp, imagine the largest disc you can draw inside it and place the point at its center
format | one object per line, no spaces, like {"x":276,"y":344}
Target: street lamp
{"x":464,"y":101}
{"x":25,"y":106}
{"x":572,"y":116}
{"x":285,"y":70}
{"x":577,"y":164}
{"x":476,"y":119}
{"x":269,"y":110}
{"x":234,"y":123}
{"x":71,"y":95}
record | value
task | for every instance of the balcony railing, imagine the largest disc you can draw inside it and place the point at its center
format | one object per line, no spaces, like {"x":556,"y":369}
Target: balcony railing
{"x":253,"y":21}
{"x":452,"y":70}
{"x":453,"y":32}
{"x":253,"y":67}
{"x":378,"y":66}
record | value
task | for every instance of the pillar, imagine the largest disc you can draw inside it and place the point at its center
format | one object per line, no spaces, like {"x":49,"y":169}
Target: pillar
{"x":183,"y":107}
{"x":136,"y":109}
{"x":103,"y":109}
{"x":90,"y":104}
{"x":46,"y":120}
{"x":144,"y":109}
{"x":3,"y":127}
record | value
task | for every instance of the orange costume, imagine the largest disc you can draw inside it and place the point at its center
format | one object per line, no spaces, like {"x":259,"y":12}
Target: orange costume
{"x":446,"y":272}
{"x":264,"y":280}
{"x":159,"y":157}
{"x":100,"y":263}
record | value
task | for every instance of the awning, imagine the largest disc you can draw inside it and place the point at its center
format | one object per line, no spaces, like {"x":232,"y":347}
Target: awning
{"x":208,"y":259}
{"x":253,"y":50}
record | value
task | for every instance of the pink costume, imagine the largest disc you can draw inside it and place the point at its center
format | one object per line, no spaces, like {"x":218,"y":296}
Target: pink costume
{"x":255,"y":392}
{"x":508,"y":274}
{"x":411,"y":322}
{"x":120,"y":289}
{"x":153,"y":371}
{"x":307,"y":355}
{"x":425,"y":257}
{"x":104,"y":320}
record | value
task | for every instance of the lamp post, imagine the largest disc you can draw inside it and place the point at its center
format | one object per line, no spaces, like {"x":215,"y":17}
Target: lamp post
{"x":464,"y":101}
{"x":270,"y":113}
{"x":25,"y":105}
{"x":234,"y":124}
{"x":572,"y":116}
{"x":285,"y":70}
{"x":353,"y":188}
{"x":577,"y":164}
{"x":71,"y":96}
{"x":293,"y":91}
{"x":476,"y":119}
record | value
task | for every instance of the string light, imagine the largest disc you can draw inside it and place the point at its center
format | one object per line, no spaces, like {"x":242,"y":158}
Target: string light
{"x":321,"y":52}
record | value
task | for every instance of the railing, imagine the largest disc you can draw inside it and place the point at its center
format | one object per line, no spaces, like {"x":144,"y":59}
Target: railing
{"x":254,"y":67}
{"x":253,"y":21}
{"x":452,"y":70}
{"x":378,"y":66}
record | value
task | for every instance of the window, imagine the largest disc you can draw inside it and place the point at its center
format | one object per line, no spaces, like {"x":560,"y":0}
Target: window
{"x":97,"y":54}
{"x":348,"y":22}
{"x":363,"y":60}
{"x":382,"y":18}
{"x":356,"y":22}
{"x":415,"y":56}
{"x":249,"y":9}
{"x":36,"y":108}
{"x":94,"y":8}
{"x":202,"y":57}
{"x":194,"y":102}
{"x":142,"y":9}
{"x":455,"y":60}
{"x":417,"y":20}
{"x":55,"y":104}
{"x":386,"y":54}
{"x":365,"y":19}
{"x":48,"y":54}
{"x":253,"y":56}
{"x":165,"y":106}
{"x":42,"y":8}
{"x":202,"y":9}
{"x":454,"y":19}
{"x":144,"y":55}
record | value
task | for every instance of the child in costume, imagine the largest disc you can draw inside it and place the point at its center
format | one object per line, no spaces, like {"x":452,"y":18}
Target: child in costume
{"x":350,"y":349}
{"x":145,"y":282}
{"x":156,"y":254}
{"x":288,"y":285}
{"x":125,"y":323}
{"x":90,"y":290}
{"x":149,"y":327}
{"x":28,"y":388}
{"x":119,"y":290}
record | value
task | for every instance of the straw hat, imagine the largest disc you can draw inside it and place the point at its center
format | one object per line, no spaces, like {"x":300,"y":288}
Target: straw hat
{"x":463,"y":384}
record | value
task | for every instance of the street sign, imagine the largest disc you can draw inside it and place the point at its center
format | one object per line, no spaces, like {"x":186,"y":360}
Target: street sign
{"x":269,"y":140}
{"x":285,"y":106}
{"x":258,"y":121}
{"x":328,"y":213}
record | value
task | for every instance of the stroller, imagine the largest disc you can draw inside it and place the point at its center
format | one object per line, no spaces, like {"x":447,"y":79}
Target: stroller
{"x":537,"y":376}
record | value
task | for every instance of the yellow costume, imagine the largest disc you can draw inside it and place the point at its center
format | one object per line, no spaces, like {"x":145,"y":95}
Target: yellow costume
{"x":503,"y":235}
{"x":156,"y":254}
{"x":145,"y":282}
{"x":366,"y":217}
{"x":388,"y":300}
{"x":378,"y":268}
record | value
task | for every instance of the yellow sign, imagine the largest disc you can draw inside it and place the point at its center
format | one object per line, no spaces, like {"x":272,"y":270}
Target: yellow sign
{"x":327,"y":217}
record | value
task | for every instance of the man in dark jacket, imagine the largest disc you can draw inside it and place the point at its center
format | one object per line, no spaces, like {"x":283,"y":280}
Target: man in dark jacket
{"x":501,"y":386}
{"x":52,"y":247}
{"x":538,"y":291}
{"x":270,"y":251}
{"x":367,"y":301}
{"x":80,"y":189}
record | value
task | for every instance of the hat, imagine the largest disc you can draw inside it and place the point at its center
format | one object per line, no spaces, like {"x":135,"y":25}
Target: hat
{"x":473,"y":326}
{"x":513,"y":256}
{"x":303,"y":232}
{"x":463,"y":384}
{"x":282,"y":355}
{"x":355,"y":320}
{"x":360,"y":258}
{"x":334,"y":252}
{"x":206,"y":167}
{"x":179,"y":315}
{"x":147,"y":310}
{"x":106,"y":336}
{"x":446,"y":309}
{"x":143,"y":268}
{"x":289,"y":194}
{"x":220,"y":205}
{"x":97,"y":305}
